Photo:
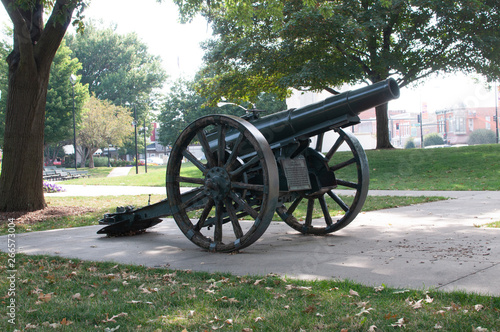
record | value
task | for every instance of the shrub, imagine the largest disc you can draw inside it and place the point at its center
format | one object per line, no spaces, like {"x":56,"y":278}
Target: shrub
{"x":433,"y":139}
{"x":410,"y":144}
{"x":482,"y":136}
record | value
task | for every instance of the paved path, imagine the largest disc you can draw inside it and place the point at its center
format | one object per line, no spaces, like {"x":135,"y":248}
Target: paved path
{"x":434,"y":245}
{"x":119,"y":171}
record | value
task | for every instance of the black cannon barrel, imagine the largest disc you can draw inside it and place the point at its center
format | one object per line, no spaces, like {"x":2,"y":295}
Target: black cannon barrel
{"x":334,"y":112}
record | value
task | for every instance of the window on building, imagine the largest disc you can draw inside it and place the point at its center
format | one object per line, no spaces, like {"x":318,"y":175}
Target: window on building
{"x":471,"y":124}
{"x":460,"y":125}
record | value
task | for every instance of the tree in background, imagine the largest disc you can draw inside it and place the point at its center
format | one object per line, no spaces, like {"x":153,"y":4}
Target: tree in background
{"x":59,"y":107}
{"x":102,"y":124}
{"x":5,"y":49}
{"x":184,"y":104}
{"x":117,"y":67}
{"x":35,"y":43}
{"x":274,"y":45}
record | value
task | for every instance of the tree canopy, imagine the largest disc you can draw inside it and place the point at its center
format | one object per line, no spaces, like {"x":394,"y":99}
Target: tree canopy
{"x":184,"y":104}
{"x":59,"y":106}
{"x":117,"y":67}
{"x":102,"y":124}
{"x":276,"y":45}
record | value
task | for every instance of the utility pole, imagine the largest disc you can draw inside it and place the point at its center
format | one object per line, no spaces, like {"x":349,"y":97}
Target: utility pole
{"x":72,"y":80}
{"x":496,"y":107}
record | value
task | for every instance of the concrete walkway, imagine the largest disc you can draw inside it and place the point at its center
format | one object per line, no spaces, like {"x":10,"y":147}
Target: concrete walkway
{"x":434,"y":245}
{"x":119,"y":171}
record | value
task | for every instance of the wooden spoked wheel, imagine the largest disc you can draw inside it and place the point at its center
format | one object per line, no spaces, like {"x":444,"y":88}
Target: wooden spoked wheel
{"x":232,"y":175}
{"x":325,"y":211}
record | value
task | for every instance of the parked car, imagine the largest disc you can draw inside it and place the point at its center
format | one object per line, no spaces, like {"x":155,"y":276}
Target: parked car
{"x":155,"y":161}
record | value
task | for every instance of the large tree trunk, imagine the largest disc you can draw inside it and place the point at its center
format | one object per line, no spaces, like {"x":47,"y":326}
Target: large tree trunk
{"x":383,"y":139}
{"x":21,"y":181}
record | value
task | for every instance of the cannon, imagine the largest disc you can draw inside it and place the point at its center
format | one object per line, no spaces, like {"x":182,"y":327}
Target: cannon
{"x":228,"y":176}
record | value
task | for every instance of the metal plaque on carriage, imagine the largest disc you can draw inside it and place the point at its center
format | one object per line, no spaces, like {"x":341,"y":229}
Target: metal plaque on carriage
{"x":296,"y":173}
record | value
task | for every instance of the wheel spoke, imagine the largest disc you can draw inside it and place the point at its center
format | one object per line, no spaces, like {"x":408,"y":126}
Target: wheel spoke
{"x":324,"y":208}
{"x":218,"y":223}
{"x":348,"y":184}
{"x":339,"y":201}
{"x":244,"y":205}
{"x":221,"y":151}
{"x":194,"y":199}
{"x":202,"y":137}
{"x":294,"y":205}
{"x":234,"y":219}
{"x":204,"y":214}
{"x":343,"y":164}
{"x":234,"y":153}
{"x":310,"y":210}
{"x":245,"y":166}
{"x":334,"y":148}
{"x":190,"y":180}
{"x":189,"y":156}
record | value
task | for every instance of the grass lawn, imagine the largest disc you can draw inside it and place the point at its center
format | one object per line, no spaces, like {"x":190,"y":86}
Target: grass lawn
{"x":455,"y":168}
{"x":56,"y":294}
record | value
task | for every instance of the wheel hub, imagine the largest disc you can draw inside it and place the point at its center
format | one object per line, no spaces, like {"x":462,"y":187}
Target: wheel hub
{"x":217,"y":183}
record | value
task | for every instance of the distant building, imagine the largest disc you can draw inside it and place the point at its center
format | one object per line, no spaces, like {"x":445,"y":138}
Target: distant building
{"x":457,"y":124}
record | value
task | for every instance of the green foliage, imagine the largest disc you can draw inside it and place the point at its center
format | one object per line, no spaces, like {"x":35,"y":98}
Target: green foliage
{"x":102,"y":124}
{"x":410,"y":144}
{"x":433,"y":139}
{"x":118,"y":68}
{"x":325,"y":43}
{"x":59,"y":106}
{"x":184,"y":104}
{"x":482,"y":136}
{"x":5,"y":49}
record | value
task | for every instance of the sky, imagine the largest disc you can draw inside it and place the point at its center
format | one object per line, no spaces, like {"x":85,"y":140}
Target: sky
{"x":157,"y":25}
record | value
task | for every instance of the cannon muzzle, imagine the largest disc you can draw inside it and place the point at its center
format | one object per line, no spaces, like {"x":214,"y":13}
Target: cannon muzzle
{"x":334,"y":112}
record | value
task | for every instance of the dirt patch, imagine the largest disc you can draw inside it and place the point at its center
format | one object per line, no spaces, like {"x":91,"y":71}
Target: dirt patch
{"x":53,"y":212}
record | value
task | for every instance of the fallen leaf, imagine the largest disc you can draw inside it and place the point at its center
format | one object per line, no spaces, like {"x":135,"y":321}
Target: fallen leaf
{"x":229,"y":321}
{"x":107,"y":329}
{"x":399,"y":323}
{"x":437,"y":327}
{"x":66,"y":322}
{"x":53,"y":325}
{"x":378,"y":289}
{"x":45,"y":297}
{"x":364,"y":311}
{"x":309,"y":309}
{"x":258,"y":281}
{"x":428,"y":299}
{"x":478,"y":307}
{"x":30,"y":326}
{"x":246,"y":329}
{"x":353,"y":292}
{"x":191,"y":314}
{"x":479,"y":329}
{"x":372,"y":328}
{"x":258,"y":319}
{"x":77,"y":297}
{"x":112,"y":319}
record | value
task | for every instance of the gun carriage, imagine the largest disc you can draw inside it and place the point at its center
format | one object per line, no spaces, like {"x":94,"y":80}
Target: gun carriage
{"x":249,"y":168}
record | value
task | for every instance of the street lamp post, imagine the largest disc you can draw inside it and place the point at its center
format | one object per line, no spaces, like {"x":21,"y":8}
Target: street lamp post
{"x":496,"y":108}
{"x":72,"y":80}
{"x":135,"y":130}
{"x":145,"y":149}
